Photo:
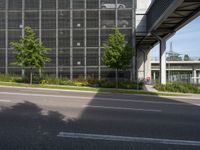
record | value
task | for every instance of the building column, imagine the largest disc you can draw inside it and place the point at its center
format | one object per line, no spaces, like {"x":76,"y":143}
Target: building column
{"x":57,"y":33}
{"x":85,"y":40}
{"x":6,"y":38}
{"x":71,"y":40}
{"x":163,"y":76}
{"x":133,"y":70}
{"x":40,"y":29}
{"x":99,"y":49}
{"x":23,"y":30}
{"x":194,"y":75}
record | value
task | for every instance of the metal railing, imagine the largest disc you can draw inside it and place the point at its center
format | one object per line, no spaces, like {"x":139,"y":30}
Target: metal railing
{"x":182,"y":59}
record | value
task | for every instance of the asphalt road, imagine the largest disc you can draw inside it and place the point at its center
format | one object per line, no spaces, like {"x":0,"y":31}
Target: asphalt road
{"x":37,"y":119}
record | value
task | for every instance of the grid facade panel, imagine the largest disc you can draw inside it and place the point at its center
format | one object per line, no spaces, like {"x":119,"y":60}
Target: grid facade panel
{"x":2,"y":39}
{"x":32,"y":4}
{"x":76,"y":35}
{"x":32,"y":19}
{"x":2,"y":20}
{"x":63,"y":4}
{"x":3,"y":4}
{"x":92,"y":19}
{"x":14,"y":20}
{"x":48,"y":20}
{"x":64,"y":19}
{"x":14,"y":4}
{"x":48,"y":4}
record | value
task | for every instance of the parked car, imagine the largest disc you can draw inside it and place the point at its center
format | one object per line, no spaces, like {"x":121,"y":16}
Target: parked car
{"x":111,"y":23}
{"x":109,"y":5}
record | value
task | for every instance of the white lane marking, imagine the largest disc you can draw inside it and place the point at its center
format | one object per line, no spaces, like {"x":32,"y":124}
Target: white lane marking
{"x":128,"y":139}
{"x":191,"y":97}
{"x":98,"y":98}
{"x":5,"y":101}
{"x":123,"y":108}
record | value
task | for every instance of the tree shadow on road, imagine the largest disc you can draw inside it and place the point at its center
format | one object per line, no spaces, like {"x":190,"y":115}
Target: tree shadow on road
{"x":24,"y":127}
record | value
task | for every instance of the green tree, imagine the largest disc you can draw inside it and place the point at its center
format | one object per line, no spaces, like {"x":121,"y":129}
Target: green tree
{"x":117,"y":53}
{"x":30,"y":52}
{"x":186,"y":57}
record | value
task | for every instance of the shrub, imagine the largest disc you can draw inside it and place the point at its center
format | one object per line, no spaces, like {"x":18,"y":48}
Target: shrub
{"x":9,"y":78}
{"x":44,"y":82}
{"x":131,"y":85}
{"x":92,"y":82}
{"x":178,"y":87}
{"x":106,"y":84}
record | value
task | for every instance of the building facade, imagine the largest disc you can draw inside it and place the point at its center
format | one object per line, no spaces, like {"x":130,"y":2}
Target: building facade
{"x":75,"y":30}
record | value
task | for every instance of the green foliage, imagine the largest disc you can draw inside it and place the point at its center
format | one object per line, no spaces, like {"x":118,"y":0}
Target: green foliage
{"x":51,"y":80}
{"x":9,"y":78}
{"x":122,"y":84}
{"x":106,"y":84}
{"x":30,"y":51}
{"x":178,"y":87}
{"x":117,"y":53}
{"x":43,"y":82}
{"x":186,"y":57}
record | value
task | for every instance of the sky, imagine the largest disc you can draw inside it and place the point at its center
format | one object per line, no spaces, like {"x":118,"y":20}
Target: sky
{"x":185,"y":41}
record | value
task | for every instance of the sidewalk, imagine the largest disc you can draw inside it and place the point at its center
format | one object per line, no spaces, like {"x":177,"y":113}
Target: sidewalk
{"x":149,"y":88}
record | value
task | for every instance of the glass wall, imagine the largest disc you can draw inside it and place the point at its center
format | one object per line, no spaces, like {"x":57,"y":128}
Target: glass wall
{"x":75,"y":30}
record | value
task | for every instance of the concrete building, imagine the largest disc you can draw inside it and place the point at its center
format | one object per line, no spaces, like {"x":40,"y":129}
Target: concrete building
{"x":76,"y":30}
{"x":187,"y":71}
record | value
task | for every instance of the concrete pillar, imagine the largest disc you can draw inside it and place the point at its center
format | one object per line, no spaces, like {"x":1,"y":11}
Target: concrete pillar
{"x":163,"y":61}
{"x":143,"y":64}
{"x":198,"y":78}
{"x":194,"y":75}
{"x":147,"y":68}
{"x":163,"y":76}
{"x":154,"y":75}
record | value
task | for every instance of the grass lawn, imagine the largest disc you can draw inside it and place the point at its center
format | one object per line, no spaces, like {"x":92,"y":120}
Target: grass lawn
{"x":77,"y":88}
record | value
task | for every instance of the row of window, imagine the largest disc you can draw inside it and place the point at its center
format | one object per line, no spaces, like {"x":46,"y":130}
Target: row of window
{"x":78,"y":72}
{"x":78,"y":55}
{"x":49,"y":19}
{"x":65,"y":4}
{"x":49,"y":37}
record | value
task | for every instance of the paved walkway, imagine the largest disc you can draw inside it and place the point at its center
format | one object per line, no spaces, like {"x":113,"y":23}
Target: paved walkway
{"x":149,"y":88}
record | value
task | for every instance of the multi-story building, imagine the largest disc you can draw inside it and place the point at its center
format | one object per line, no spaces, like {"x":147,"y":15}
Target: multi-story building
{"x":75,"y":30}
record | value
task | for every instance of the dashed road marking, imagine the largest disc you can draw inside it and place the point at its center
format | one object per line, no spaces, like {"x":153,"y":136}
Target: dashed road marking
{"x":123,"y":108}
{"x":5,"y":101}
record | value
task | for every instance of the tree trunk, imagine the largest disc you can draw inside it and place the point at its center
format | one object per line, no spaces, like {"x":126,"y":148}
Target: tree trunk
{"x":31,"y":76}
{"x":40,"y":72}
{"x":23,"y":72}
{"x":116,"y":78}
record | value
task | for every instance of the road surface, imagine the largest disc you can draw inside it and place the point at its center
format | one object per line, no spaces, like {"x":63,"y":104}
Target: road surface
{"x":39,"y":119}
